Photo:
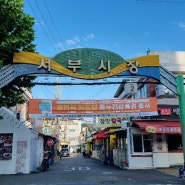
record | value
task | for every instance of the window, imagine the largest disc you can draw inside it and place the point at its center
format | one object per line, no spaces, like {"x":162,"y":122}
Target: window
{"x":142,"y":143}
{"x":71,"y":130}
{"x":174,"y":142}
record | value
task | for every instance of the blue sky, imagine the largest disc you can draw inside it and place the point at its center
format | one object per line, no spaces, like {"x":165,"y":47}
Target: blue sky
{"x":126,"y":27}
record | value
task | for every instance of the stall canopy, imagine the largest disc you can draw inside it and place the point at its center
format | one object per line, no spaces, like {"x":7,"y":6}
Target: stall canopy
{"x":159,"y":126}
{"x":120,"y":130}
{"x":101,"y":134}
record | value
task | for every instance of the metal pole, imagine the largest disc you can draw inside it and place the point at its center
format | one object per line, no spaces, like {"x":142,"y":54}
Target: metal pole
{"x":181,"y":94}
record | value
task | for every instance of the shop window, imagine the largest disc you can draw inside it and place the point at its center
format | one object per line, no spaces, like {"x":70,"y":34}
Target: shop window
{"x":142,"y":143}
{"x":174,"y":142}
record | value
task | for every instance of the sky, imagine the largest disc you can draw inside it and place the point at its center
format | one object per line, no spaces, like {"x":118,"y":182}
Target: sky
{"x":128,"y":28}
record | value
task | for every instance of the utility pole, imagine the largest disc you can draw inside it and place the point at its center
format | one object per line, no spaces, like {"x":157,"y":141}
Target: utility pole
{"x":57,"y":96}
{"x":181,"y":94}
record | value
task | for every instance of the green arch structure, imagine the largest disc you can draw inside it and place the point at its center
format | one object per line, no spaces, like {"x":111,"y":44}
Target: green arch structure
{"x":87,"y":63}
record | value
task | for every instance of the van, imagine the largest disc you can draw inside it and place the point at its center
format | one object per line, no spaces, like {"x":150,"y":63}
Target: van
{"x":65,"y":152}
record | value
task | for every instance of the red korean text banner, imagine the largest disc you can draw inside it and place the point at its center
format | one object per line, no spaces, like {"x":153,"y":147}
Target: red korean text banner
{"x":59,"y":108}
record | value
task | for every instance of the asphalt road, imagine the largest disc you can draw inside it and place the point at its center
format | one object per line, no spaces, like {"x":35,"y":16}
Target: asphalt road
{"x":77,"y":170}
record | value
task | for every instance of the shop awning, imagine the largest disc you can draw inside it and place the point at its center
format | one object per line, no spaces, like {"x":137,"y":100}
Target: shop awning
{"x":101,"y":134}
{"x":159,"y":126}
{"x":116,"y":131}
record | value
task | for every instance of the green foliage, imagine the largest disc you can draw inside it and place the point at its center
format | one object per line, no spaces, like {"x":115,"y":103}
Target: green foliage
{"x":78,"y":150}
{"x":16,"y":34}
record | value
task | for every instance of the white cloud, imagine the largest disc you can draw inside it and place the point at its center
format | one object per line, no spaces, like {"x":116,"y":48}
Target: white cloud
{"x":88,"y":37}
{"x":59,"y":45}
{"x":70,"y":42}
{"x":77,"y":39}
{"x":182,"y":25}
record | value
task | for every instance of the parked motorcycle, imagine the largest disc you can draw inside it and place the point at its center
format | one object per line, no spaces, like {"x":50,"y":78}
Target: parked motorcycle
{"x":45,"y":162}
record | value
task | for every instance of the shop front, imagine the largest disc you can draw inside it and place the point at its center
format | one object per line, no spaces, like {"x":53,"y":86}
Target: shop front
{"x":148,"y":144}
{"x":99,"y":143}
{"x":166,"y":141}
{"x":103,"y":144}
{"x":120,"y":150}
{"x":88,"y":147}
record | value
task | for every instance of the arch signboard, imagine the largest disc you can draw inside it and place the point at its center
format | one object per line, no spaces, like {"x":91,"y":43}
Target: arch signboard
{"x":87,"y":63}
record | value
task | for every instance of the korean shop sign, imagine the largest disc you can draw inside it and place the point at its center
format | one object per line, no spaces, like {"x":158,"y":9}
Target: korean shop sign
{"x":110,"y":121}
{"x":89,"y":63}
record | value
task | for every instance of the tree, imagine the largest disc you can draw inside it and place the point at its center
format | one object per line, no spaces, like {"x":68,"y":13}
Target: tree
{"x":16,"y":34}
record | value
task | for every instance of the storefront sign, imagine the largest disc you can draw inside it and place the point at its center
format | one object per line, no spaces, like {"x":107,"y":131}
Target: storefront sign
{"x":165,"y":111}
{"x":163,"y":129}
{"x":6,"y":141}
{"x":47,"y":130}
{"x":104,"y":122}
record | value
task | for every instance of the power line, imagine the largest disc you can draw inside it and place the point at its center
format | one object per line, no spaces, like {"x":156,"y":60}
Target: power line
{"x":41,"y":26}
{"x":89,"y":83}
{"x":57,"y":31}
{"x":43,"y":17}
{"x":100,"y":92}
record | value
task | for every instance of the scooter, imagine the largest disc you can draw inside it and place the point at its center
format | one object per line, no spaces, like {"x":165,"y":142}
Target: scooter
{"x":45,"y":162}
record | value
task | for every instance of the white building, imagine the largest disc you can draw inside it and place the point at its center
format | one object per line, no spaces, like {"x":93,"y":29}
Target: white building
{"x":21,"y":148}
{"x":70,"y":132}
{"x":74,"y":132}
{"x":174,"y":61}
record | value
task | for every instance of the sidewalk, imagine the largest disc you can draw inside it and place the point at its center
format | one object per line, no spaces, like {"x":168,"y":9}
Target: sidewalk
{"x":174,"y":170}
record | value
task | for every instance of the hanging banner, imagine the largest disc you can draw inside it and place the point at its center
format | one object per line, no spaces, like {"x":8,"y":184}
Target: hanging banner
{"x":77,"y":108}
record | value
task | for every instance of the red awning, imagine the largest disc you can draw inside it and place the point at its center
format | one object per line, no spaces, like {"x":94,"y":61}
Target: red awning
{"x":159,"y":126}
{"x":101,"y":134}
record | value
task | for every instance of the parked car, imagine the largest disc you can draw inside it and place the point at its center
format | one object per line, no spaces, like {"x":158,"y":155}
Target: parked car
{"x":65,"y":152}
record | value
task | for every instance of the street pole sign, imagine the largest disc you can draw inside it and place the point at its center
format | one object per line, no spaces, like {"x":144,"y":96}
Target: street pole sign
{"x":131,"y":88}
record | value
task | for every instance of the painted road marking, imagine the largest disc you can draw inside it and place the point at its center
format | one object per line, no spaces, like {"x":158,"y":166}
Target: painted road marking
{"x":73,"y":168}
{"x":69,"y":169}
{"x":83,"y":168}
{"x":107,"y":173}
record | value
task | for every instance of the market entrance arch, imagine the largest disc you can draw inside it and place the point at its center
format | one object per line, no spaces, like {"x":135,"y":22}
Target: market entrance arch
{"x":87,"y":63}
